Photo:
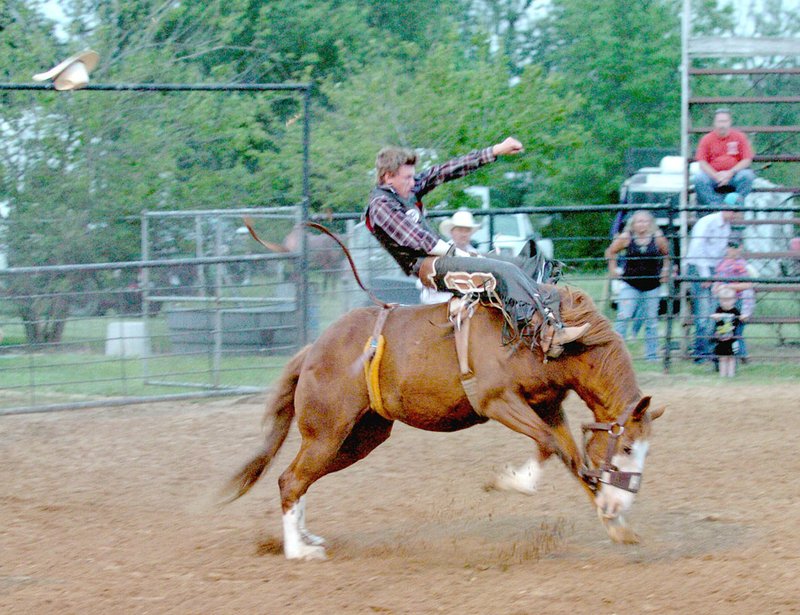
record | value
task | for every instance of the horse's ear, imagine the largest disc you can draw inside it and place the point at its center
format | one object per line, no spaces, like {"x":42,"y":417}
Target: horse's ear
{"x":641,"y":408}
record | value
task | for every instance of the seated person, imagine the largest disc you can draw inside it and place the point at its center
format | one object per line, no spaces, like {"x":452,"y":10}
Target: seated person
{"x":724,"y":156}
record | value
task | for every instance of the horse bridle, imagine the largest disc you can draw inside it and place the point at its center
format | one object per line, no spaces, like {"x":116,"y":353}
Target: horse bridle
{"x":608,"y":473}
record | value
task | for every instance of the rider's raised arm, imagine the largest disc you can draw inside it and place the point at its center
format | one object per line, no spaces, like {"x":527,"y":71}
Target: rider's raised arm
{"x":454,"y":168}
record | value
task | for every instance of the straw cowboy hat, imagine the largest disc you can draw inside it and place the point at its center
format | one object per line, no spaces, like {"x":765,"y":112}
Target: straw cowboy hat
{"x":462,"y":218}
{"x":72,"y":73}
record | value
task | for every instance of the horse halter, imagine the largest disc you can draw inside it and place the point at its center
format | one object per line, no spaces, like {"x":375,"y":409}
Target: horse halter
{"x":608,"y":473}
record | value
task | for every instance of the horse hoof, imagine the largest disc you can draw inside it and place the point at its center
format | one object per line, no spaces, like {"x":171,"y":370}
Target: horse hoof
{"x":522,"y":480}
{"x":307,"y":552}
{"x":619,"y":532}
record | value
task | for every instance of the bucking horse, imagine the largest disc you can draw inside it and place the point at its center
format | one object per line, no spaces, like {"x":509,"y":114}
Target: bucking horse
{"x":379,"y":365}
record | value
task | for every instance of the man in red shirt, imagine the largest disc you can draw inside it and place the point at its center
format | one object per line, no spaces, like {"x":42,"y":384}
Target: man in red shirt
{"x":724,"y":155}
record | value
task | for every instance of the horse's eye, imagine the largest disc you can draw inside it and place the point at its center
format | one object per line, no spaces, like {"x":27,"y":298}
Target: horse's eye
{"x":627,"y":450}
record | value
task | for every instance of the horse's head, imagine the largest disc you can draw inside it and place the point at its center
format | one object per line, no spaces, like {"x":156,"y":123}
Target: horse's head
{"x":615,"y":453}
{"x":618,"y":441}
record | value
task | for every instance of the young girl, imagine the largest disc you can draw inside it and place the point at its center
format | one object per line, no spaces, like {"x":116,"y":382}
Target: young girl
{"x":726,"y":320}
{"x":734,"y":266}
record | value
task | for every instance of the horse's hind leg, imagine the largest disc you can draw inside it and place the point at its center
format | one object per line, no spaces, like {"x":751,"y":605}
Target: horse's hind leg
{"x":319,"y":455}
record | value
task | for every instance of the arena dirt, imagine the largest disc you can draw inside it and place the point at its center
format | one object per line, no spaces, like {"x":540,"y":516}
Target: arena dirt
{"x":113,"y":511}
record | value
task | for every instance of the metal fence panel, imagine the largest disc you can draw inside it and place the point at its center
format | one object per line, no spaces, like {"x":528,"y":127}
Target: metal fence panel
{"x":224,"y":322}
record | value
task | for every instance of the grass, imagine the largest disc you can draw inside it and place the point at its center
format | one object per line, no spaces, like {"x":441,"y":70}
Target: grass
{"x":78,"y":368}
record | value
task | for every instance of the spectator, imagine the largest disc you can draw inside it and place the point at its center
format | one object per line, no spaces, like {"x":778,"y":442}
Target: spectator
{"x":725,"y":318}
{"x":724,"y":156}
{"x":459,"y":229}
{"x":645,"y":267}
{"x":731,"y":267}
{"x":707,"y":245}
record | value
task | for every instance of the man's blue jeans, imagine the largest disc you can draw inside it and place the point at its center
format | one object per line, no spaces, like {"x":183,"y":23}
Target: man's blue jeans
{"x":701,"y":311}
{"x":705,"y":187}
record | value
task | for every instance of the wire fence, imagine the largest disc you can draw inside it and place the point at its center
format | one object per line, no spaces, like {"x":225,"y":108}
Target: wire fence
{"x":224,"y":319}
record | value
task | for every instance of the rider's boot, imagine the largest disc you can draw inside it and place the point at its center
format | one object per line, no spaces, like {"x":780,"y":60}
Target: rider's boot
{"x":555,"y":335}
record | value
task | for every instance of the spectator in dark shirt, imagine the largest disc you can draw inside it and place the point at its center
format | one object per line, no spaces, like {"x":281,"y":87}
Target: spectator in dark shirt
{"x":645,"y":267}
{"x":395,"y":215}
{"x":726,"y":320}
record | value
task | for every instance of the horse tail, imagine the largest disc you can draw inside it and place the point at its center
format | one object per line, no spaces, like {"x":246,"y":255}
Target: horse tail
{"x":280,"y":408}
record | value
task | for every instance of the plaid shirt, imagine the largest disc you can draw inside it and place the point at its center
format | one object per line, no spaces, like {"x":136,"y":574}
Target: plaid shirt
{"x":403,"y":222}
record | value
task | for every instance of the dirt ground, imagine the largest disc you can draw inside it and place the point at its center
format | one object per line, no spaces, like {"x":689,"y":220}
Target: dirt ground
{"x":112,"y":511}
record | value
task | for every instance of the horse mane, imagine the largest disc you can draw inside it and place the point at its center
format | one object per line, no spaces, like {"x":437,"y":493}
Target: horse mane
{"x":577,"y":308}
{"x":612,"y":354}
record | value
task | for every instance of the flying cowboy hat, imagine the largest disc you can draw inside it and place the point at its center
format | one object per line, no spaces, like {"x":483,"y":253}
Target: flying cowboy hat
{"x":462,"y":218}
{"x":72,"y":73}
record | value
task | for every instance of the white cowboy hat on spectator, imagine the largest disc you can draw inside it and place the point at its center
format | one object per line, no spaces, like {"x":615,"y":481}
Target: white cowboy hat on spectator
{"x":72,"y":73}
{"x":462,"y":218}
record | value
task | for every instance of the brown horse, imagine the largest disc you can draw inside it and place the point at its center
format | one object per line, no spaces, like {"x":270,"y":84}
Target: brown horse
{"x":324,"y":255}
{"x":323,"y":385}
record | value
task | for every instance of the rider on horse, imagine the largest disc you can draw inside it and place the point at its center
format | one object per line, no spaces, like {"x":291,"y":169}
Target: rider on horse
{"x":395,"y":215}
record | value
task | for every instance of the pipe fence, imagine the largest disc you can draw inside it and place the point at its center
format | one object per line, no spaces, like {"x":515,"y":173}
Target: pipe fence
{"x":225,"y":320}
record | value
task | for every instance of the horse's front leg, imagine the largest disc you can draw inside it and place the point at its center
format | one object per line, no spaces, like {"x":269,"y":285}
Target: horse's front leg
{"x":515,"y":414}
{"x":524,"y":478}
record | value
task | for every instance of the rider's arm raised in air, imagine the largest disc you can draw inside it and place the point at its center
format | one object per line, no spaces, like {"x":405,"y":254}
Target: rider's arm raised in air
{"x":462,"y":166}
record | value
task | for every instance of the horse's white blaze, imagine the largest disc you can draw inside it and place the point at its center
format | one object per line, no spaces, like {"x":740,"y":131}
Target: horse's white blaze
{"x":523,"y":479}
{"x":294,"y":546}
{"x":612,"y":501}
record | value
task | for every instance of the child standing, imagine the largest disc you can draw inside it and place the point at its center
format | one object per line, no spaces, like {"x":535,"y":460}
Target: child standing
{"x":731,"y":267}
{"x":726,"y":321}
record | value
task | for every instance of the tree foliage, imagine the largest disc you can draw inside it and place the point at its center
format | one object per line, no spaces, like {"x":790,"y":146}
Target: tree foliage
{"x":576,"y":86}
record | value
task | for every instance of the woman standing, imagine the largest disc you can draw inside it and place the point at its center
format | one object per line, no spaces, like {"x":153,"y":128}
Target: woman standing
{"x":645,"y":267}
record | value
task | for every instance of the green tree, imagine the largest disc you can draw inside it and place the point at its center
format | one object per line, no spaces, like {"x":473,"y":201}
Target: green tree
{"x":623,"y":60}
{"x":447,"y":104}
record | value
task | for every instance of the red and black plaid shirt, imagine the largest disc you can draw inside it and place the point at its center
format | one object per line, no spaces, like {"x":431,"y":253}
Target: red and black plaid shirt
{"x":401,"y":221}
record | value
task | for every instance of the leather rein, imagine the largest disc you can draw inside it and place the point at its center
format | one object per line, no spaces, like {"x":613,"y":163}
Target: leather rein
{"x":275,"y":248}
{"x":608,"y":473}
